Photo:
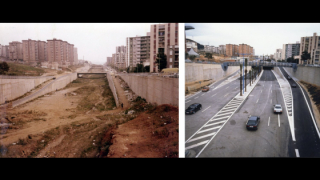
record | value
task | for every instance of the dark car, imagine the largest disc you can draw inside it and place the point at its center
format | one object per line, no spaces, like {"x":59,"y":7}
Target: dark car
{"x":193,"y":108}
{"x":293,"y":85}
{"x":289,"y":77}
{"x":253,"y":122}
{"x":205,"y":89}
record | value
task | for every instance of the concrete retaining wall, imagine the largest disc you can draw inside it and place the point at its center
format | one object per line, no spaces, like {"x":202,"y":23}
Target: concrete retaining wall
{"x":59,"y":83}
{"x":154,"y":89}
{"x":12,"y":87}
{"x":307,"y":74}
{"x":113,"y":89}
{"x":199,"y":72}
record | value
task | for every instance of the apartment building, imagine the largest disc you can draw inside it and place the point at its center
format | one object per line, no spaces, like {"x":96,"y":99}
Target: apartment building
{"x":15,"y":50}
{"x":70,"y":59}
{"x":42,"y":51}
{"x":222,"y":49}
{"x":109,"y":61}
{"x":54,"y":52}
{"x":311,"y":44}
{"x":138,"y":50}
{"x":277,"y":54}
{"x":75,"y":55}
{"x":30,"y":51}
{"x":232,"y":50}
{"x":161,"y":37}
{"x":120,"y":57}
{"x":290,"y":50}
{"x":173,"y":56}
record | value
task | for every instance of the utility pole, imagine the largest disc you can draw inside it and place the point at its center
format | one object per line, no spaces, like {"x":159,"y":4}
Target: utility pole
{"x":240,"y":79}
{"x":245,"y":84}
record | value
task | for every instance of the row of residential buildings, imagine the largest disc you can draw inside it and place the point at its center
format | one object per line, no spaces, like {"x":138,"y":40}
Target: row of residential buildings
{"x":311,"y":44}
{"x":229,"y":50}
{"x":162,"y":38}
{"x":53,"y":53}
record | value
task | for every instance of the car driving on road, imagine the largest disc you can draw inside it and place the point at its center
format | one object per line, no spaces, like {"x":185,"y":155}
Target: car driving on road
{"x":289,"y":77}
{"x":277,"y":108}
{"x":293,"y":85}
{"x":253,"y":122}
{"x":205,"y":89}
{"x":193,"y":108}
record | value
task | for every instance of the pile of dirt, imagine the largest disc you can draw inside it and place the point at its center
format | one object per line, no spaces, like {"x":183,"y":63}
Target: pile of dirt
{"x":152,"y":134}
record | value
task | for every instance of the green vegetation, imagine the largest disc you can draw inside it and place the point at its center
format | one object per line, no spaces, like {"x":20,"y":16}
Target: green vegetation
{"x":4,"y":67}
{"x":23,"y":70}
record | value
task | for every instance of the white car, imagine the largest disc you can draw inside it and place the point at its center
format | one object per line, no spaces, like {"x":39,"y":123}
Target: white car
{"x":277,"y":108}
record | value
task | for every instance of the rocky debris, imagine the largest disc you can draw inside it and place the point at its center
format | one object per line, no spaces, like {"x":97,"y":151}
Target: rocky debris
{"x":131,"y":112}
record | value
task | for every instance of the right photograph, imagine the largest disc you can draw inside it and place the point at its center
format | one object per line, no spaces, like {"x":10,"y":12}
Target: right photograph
{"x":252,"y":90}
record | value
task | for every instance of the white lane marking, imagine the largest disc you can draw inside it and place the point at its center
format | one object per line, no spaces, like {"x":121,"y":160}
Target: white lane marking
{"x":227,"y":110}
{"x":271,"y":91}
{"x":269,"y":121}
{"x":219,"y":118}
{"x":195,"y":145}
{"x":227,"y":87}
{"x":196,"y":97}
{"x":214,"y":123}
{"x":208,"y":129}
{"x":214,"y":95}
{"x":279,"y":120}
{"x":224,"y":114}
{"x":202,"y":94}
{"x":297,"y":153}
{"x":206,"y":109}
{"x":257,"y":101}
{"x":226,"y":95}
{"x":194,"y":139}
{"x":188,"y":101}
{"x":261,"y":91}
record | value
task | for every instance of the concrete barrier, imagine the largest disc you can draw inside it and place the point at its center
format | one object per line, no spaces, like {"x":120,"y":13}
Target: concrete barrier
{"x":198,"y":72}
{"x":306,"y":73}
{"x":154,"y":89}
{"x":12,"y":87}
{"x":113,"y":89}
{"x":59,"y":83}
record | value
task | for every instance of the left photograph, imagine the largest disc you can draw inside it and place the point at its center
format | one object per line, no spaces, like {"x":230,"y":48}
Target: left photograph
{"x":89,"y":90}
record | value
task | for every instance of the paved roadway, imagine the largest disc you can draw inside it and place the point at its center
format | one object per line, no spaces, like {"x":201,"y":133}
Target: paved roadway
{"x":307,"y":142}
{"x":212,"y":102}
{"x":272,"y":137}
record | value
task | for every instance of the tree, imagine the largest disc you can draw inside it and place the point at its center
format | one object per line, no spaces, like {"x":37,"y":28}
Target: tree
{"x":128,"y":69}
{"x":161,"y":60}
{"x":187,"y":55}
{"x":140,"y":68}
{"x":209,"y":55}
{"x":192,"y":57}
{"x":4,"y":67}
{"x":305,"y":55}
{"x":147,"y":68}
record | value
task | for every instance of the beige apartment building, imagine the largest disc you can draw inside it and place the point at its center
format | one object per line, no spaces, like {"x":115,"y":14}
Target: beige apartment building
{"x":75,"y":55}
{"x":232,"y":50}
{"x":59,"y":53}
{"x":173,"y":56}
{"x":138,"y":50}
{"x":109,"y":61}
{"x":120,"y":57}
{"x":312,"y":45}
{"x":161,"y":37}
{"x":246,"y":51}
{"x":30,"y":51}
{"x":15,"y":50}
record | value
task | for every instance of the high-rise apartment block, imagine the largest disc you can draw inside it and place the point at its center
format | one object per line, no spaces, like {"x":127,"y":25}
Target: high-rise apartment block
{"x":311,"y":44}
{"x":232,"y":50}
{"x":15,"y":50}
{"x":120,"y":57}
{"x":138,"y":50}
{"x":59,"y":53}
{"x":161,"y":37}
{"x":277,"y":54}
{"x":290,"y":50}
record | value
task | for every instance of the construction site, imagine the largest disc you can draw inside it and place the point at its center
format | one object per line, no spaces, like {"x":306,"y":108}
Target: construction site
{"x":83,"y":119}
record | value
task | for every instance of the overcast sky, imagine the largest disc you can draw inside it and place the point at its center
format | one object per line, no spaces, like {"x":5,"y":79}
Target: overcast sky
{"x":265,"y":38}
{"x":94,"y":41}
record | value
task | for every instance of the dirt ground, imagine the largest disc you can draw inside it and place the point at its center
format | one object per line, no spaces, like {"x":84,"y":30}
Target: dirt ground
{"x":81,"y":121}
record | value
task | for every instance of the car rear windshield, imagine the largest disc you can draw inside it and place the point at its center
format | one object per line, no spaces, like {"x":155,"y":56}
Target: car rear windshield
{"x":251,"y":122}
{"x":192,"y":106}
{"x":278,"y":107}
